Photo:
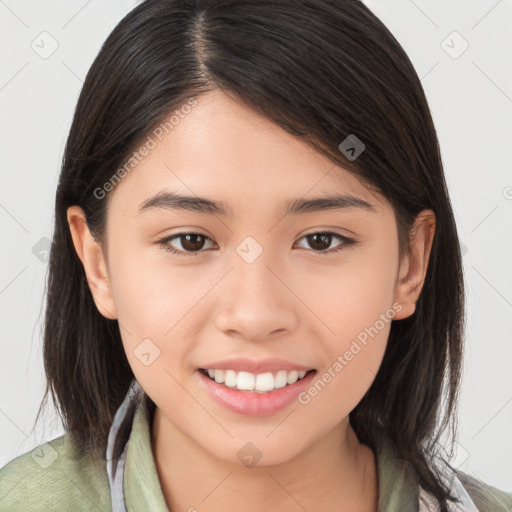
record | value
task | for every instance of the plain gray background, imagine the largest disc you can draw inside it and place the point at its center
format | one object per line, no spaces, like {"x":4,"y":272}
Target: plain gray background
{"x":461,"y":51}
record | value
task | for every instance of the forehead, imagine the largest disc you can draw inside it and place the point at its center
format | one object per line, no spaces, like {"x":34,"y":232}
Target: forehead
{"x":224,"y":150}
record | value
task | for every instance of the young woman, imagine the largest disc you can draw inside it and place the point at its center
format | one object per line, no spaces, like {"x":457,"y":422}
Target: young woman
{"x":255,"y":295}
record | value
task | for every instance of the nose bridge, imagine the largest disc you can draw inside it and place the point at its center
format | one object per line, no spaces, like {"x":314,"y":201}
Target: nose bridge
{"x":257,"y":302}
{"x":252,"y":276}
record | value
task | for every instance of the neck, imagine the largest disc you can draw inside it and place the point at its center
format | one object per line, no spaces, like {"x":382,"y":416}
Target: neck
{"x":335,"y":473}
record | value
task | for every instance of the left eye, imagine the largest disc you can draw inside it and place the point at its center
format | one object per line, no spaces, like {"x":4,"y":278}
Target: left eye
{"x":192,"y":243}
{"x":321,"y":240}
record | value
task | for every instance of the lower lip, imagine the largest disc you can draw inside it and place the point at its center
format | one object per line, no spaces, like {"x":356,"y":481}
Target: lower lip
{"x":251,"y":403}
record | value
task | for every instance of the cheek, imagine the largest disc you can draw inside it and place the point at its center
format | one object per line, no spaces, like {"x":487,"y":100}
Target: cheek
{"x":147,"y":308}
{"x":356,"y":304}
{"x":352,"y":294}
{"x":157,"y":305}
{"x":352,"y":359}
{"x":150,"y":294}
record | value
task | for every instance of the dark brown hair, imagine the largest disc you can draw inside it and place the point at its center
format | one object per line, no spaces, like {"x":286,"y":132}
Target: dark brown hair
{"x":322,"y":70}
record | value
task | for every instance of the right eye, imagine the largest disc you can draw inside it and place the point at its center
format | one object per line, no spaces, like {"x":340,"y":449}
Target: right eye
{"x":191,"y":243}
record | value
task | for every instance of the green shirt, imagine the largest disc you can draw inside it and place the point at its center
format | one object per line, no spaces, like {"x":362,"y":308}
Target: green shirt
{"x":52,"y":478}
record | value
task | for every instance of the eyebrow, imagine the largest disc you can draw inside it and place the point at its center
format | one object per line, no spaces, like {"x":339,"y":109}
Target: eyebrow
{"x":172,"y":200}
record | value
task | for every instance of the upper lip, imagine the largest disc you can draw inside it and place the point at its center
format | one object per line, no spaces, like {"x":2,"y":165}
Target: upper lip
{"x":255,"y":365}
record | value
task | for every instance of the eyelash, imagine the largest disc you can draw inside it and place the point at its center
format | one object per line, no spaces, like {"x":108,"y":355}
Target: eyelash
{"x":165,"y":243}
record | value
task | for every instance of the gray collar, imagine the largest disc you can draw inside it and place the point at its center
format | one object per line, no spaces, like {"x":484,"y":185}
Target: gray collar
{"x":117,"y":444}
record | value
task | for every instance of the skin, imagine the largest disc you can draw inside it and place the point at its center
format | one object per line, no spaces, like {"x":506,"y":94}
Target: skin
{"x":292,"y":302}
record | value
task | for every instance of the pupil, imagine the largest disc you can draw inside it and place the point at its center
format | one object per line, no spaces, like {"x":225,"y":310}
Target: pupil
{"x":326,"y":241}
{"x":191,"y":246}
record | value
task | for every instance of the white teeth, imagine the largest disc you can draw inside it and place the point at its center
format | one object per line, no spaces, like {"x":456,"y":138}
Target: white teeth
{"x":292,"y":377}
{"x":229,"y":378}
{"x":218,"y":375}
{"x":245,"y":380}
{"x":259,"y":383}
{"x":280,"y":379}
{"x":264,"y":382}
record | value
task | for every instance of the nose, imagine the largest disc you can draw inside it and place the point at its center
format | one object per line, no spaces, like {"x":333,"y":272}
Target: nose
{"x":257,"y":300}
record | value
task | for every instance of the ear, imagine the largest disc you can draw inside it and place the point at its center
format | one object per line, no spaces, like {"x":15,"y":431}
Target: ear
{"x":91,"y":255}
{"x":413,"y":267}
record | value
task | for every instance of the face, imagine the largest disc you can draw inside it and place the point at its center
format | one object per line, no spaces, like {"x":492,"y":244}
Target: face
{"x":251,"y":290}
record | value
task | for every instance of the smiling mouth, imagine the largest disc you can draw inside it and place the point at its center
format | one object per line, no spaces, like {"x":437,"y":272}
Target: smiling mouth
{"x":257,"y":383}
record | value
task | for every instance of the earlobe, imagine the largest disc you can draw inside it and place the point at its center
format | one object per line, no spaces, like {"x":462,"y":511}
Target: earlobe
{"x":413,"y":268}
{"x":91,"y":255}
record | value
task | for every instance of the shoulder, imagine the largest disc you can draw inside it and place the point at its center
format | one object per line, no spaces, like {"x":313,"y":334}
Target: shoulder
{"x":486,"y":497}
{"x":53,"y":476}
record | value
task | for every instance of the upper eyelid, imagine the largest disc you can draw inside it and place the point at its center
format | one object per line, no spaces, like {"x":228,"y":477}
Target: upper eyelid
{"x":182,"y":233}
